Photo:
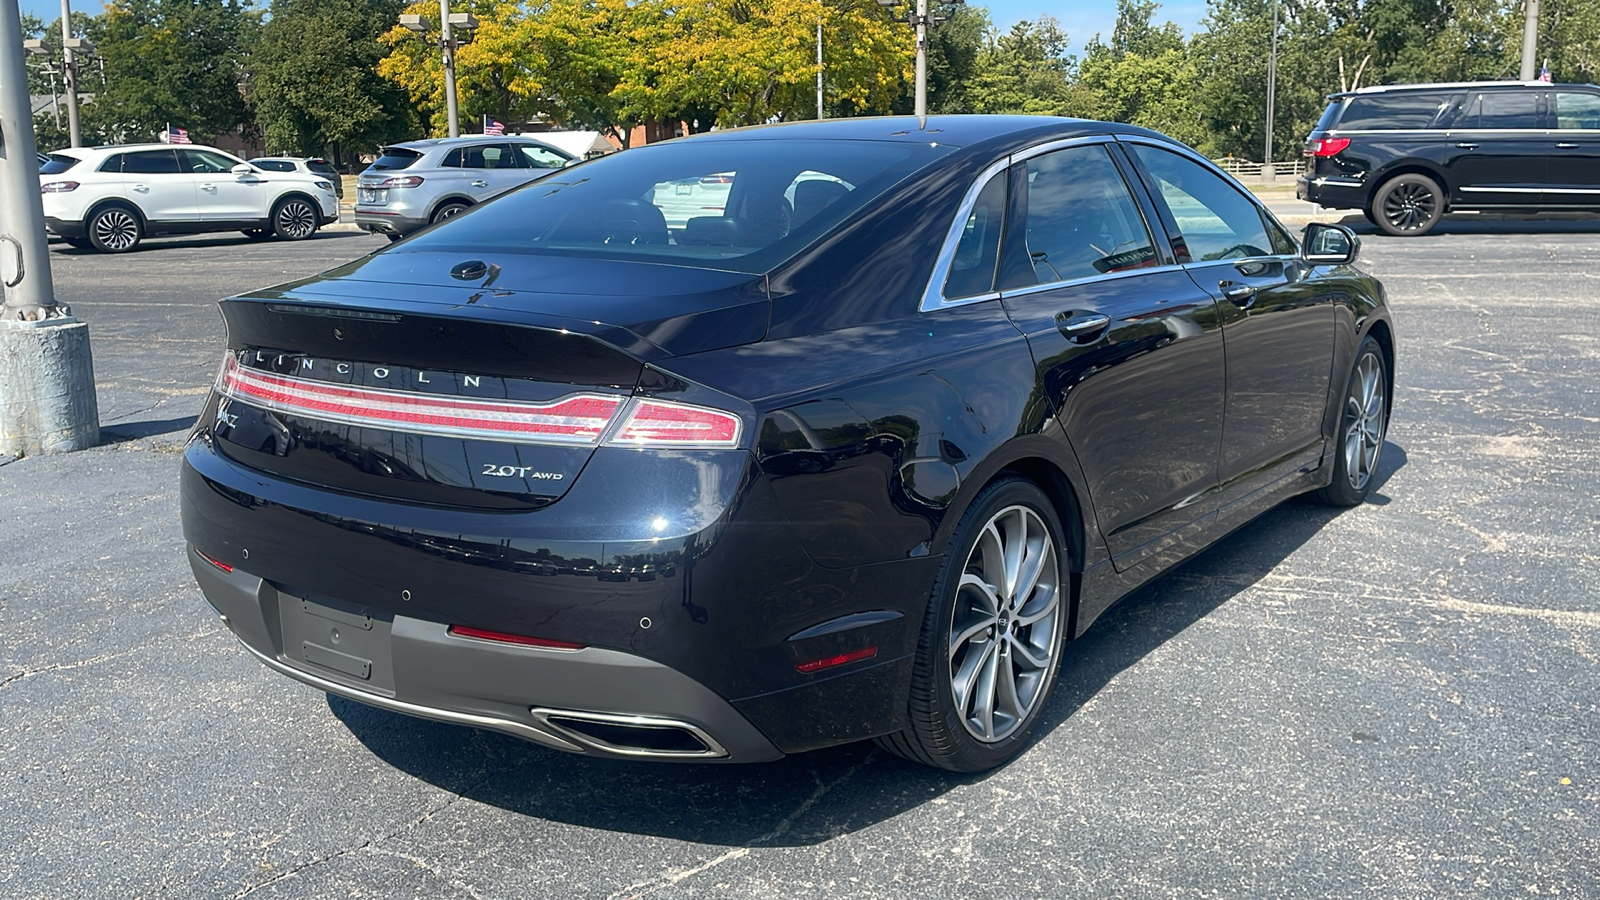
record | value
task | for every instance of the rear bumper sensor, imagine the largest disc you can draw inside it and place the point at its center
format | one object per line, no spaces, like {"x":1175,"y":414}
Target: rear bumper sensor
{"x":645,"y":736}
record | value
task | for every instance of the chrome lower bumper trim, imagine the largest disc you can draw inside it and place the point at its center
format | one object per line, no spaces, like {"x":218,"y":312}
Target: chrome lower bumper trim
{"x":713,"y":749}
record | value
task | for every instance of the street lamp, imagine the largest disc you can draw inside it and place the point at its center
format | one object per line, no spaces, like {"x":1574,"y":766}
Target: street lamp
{"x":74,"y":51}
{"x":920,"y":20}
{"x":447,"y":45}
{"x":1269,"y":171}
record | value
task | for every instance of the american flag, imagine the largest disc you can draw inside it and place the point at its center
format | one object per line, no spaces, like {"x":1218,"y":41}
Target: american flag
{"x":1544,"y":73}
{"x":175,"y":136}
{"x":493,"y":126}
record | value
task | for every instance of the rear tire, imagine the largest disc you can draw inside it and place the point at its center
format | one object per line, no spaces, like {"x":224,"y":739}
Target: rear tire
{"x":991,"y":639}
{"x":294,"y":219}
{"x":1363,"y":424}
{"x":448,"y":211}
{"x":1407,"y":205}
{"x":115,"y":229}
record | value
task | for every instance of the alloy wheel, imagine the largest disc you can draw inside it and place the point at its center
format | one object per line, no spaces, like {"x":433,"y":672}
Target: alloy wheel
{"x":1364,"y":421}
{"x":296,"y":220}
{"x":1409,"y":206}
{"x":116,"y":230}
{"x":1004,"y":628}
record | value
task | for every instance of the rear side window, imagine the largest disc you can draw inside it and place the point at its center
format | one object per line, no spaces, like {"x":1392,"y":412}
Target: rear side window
{"x":58,"y":164}
{"x":1500,"y":109}
{"x":395,"y":158}
{"x":1395,"y":112}
{"x":320,"y":167}
{"x":1081,"y":220}
{"x":1217,"y":222}
{"x":1573,"y":111}
{"x":972,"y":267}
{"x":274,"y":165}
{"x":151,"y":162}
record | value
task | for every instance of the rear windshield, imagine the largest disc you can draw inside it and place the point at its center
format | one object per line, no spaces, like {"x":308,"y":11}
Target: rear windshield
{"x":395,"y":158}
{"x":742,"y":206}
{"x":320,"y":167}
{"x":274,"y":165}
{"x":1391,"y":112}
{"x":1329,"y":116}
{"x":57,"y":164}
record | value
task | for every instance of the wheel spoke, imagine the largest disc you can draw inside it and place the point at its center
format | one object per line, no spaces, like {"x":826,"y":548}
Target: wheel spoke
{"x":958,"y":641}
{"x":1045,"y":609}
{"x":1035,"y":659}
{"x":1006,"y":700}
{"x":973,"y":585}
{"x":1016,"y":543}
{"x":967,"y":676}
{"x":992,"y":549}
{"x":984,"y":692}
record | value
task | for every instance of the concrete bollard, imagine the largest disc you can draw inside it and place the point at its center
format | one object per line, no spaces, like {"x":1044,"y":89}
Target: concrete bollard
{"x":47,"y":399}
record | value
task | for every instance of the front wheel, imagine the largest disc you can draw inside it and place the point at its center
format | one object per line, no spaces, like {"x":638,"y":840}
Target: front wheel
{"x":1408,"y":205}
{"x":992,"y":635}
{"x":294,"y":219}
{"x":1361,"y":428}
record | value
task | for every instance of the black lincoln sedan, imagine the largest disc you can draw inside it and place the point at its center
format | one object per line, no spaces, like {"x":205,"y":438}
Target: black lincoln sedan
{"x":766,"y":440}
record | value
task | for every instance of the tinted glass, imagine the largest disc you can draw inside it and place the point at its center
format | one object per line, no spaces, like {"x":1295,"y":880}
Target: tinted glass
{"x":112,"y":163}
{"x":717,"y":203}
{"x":1329,"y":116}
{"x":321,"y":168}
{"x":972,"y":267}
{"x":1508,"y":109}
{"x":1388,"y":112}
{"x":395,"y":158}
{"x":1082,"y":221}
{"x":151,"y":162}
{"x":483,"y":156}
{"x":1573,"y":110}
{"x":537,"y":157}
{"x":204,"y":162}
{"x":1216,"y":220}
{"x":452,"y":160}
{"x":57,"y":164}
{"x":274,"y":165}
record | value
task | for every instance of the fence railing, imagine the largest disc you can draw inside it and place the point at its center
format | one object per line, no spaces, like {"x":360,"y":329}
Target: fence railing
{"x":1244,"y":168}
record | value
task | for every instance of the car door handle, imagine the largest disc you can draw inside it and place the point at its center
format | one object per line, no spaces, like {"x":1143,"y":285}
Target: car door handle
{"x":480,"y":183}
{"x":1083,"y":328}
{"x":1240,"y":295}
{"x":1466,"y":146}
{"x":140,"y":187}
{"x":208,"y":187}
{"x":1566,"y":146}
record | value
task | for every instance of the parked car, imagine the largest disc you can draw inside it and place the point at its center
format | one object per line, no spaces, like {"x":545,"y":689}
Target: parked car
{"x":905,"y":416}
{"x":305,"y":165}
{"x":111,"y":198}
{"x":415,"y":184}
{"x":1405,"y":155}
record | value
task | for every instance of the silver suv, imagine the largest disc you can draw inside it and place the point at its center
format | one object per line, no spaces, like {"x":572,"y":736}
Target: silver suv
{"x":415,"y":184}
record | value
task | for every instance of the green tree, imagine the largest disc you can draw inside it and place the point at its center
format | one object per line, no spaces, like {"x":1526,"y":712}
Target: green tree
{"x":177,"y":61}
{"x":1144,"y":76}
{"x":1027,"y":70}
{"x":314,"y":85}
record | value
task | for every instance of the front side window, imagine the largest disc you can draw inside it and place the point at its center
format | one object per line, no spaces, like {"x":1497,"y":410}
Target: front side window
{"x":1576,"y":110}
{"x":204,"y":162}
{"x":972,"y":266}
{"x":1082,"y":220}
{"x":151,"y":162}
{"x":537,"y":157}
{"x":1216,"y":221}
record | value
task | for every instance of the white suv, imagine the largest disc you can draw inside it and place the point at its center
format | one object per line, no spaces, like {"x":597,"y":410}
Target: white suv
{"x":111,"y":198}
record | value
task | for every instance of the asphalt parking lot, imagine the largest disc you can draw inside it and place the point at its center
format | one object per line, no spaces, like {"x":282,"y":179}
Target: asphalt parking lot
{"x":1399,"y":700}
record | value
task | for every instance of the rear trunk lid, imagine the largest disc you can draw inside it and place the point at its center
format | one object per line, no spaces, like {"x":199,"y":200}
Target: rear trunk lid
{"x":423,"y":378}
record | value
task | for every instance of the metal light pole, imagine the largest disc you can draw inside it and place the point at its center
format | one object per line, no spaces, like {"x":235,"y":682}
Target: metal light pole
{"x":47,"y":400}
{"x":447,"y":46}
{"x":1269,"y":172}
{"x":820,"y":115}
{"x":922,"y":57}
{"x":69,"y":68}
{"x":1530,"y":40}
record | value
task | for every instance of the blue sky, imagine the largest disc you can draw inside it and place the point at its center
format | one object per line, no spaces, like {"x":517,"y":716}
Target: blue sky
{"x":1081,"y":19}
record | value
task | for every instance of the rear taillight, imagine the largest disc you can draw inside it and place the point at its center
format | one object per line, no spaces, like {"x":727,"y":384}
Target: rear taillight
{"x":576,"y":419}
{"x":503,"y":638}
{"x":403,"y":181}
{"x":58,"y":187}
{"x":1326,"y":146}
{"x":658,"y":423}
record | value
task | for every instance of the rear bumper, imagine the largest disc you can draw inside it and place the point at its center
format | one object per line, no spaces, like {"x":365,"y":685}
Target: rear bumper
{"x":542,"y":695}
{"x":388,"y":222}
{"x":1333,"y":192}
{"x":65,"y":228}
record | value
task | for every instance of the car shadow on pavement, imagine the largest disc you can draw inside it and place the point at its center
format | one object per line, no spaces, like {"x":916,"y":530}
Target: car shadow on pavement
{"x":200,"y":242}
{"x":1490,"y":223}
{"x":131,"y":431}
{"x":812,"y":797}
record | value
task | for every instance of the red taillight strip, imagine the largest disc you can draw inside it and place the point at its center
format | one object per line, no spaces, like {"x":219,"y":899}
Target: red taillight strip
{"x":221,"y":565}
{"x":577,"y":419}
{"x":817,"y":665}
{"x":503,"y":638}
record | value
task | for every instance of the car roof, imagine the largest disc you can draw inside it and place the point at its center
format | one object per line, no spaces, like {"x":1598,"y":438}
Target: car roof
{"x":1452,"y":85}
{"x":430,"y":143}
{"x":954,"y":130}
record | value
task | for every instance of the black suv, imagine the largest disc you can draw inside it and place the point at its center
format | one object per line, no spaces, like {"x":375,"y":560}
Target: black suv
{"x":1407,"y":154}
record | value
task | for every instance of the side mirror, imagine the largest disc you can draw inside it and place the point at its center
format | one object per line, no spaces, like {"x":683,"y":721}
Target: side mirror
{"x":1329,"y":245}
{"x":243,"y":169}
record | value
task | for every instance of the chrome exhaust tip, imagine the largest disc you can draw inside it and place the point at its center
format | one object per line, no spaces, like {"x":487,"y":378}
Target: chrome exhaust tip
{"x":646,"y":737}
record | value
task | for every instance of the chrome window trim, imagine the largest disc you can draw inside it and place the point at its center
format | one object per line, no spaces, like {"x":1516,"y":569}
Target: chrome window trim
{"x":1087,"y":279}
{"x":1451,"y":132}
{"x":1212,"y":167}
{"x":933,"y":295}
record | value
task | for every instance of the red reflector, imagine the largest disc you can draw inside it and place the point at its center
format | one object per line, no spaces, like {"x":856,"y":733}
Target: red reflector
{"x":1327,"y":146}
{"x":818,"y":665}
{"x":221,"y":565}
{"x":578,"y":419}
{"x":657,"y":423}
{"x":502,"y":637}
